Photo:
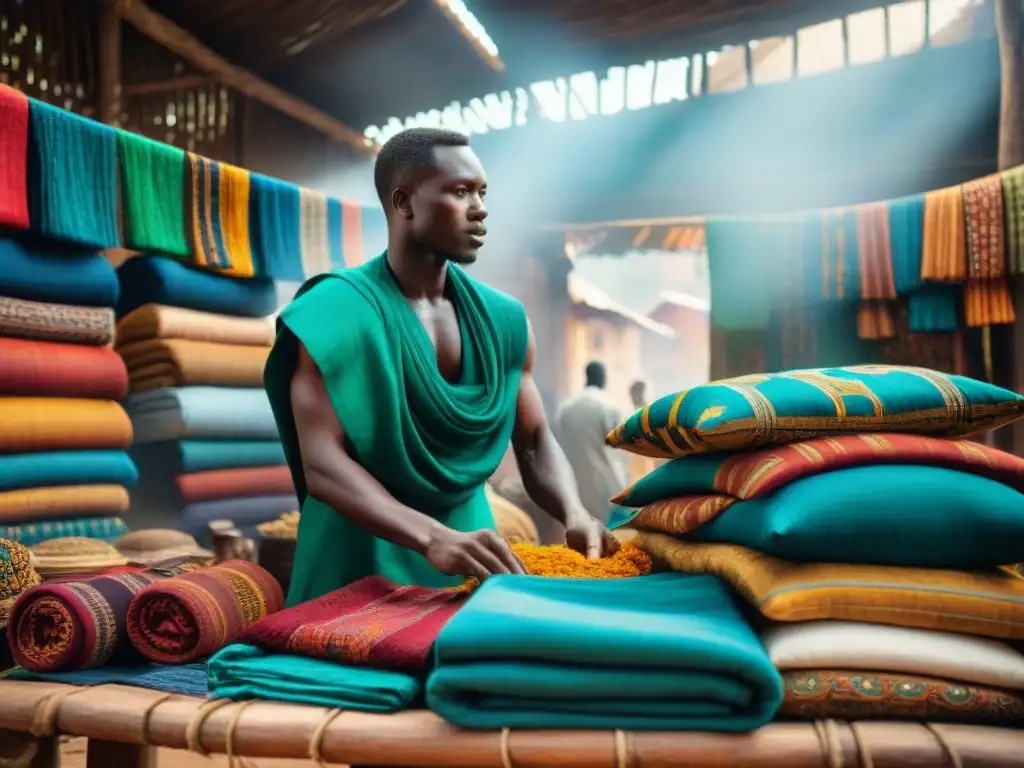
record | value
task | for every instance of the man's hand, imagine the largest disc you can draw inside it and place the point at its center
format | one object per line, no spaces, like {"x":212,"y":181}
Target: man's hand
{"x":588,"y":537}
{"x":478,"y":554}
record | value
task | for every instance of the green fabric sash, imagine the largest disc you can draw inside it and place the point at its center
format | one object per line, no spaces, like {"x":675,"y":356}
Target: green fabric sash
{"x":241,"y":672}
{"x":153,"y":188}
{"x":431,"y":444}
{"x":650,"y":653}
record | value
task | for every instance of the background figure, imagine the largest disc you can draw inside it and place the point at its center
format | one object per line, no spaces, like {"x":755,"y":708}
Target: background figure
{"x":581,"y":425}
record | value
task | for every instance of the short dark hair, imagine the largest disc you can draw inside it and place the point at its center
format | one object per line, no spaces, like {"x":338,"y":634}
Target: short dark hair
{"x":407,"y":151}
{"x":596,"y":376}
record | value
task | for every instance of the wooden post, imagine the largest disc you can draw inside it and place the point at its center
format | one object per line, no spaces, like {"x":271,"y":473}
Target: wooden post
{"x":1010,"y":29}
{"x":110,"y":62}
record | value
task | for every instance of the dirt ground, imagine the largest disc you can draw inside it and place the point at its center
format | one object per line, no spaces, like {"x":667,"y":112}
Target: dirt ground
{"x":73,"y":756}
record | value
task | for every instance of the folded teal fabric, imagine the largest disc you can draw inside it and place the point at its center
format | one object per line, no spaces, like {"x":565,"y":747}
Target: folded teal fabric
{"x":913,"y":516}
{"x":181,"y":457}
{"x":663,"y":652}
{"x":72,"y":177}
{"x":38,"y":271}
{"x":50,"y":468}
{"x":108,"y":529}
{"x":241,"y":672}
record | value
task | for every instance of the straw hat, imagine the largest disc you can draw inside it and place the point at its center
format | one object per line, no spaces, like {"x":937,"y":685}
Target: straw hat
{"x":16,"y":575}
{"x":75,"y":555}
{"x":155,"y":545}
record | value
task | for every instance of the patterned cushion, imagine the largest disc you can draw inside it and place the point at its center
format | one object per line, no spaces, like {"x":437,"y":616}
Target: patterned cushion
{"x":989,"y":603}
{"x":924,"y":517}
{"x":769,"y":409}
{"x":750,"y":474}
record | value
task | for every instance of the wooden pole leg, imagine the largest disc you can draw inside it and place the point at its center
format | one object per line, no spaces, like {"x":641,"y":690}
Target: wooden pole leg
{"x":111,"y":754}
{"x":22,"y":749}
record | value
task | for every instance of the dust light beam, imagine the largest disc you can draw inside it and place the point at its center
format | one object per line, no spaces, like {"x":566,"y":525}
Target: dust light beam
{"x":470,"y":28}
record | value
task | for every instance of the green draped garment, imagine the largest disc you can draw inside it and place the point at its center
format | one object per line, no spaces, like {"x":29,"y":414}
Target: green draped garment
{"x":240,"y":672}
{"x":666,"y":652}
{"x":430,"y":443}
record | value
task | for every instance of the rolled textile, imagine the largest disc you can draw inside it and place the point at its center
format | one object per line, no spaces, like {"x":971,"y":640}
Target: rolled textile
{"x":771,"y":409}
{"x":39,"y":271}
{"x":856,"y":645}
{"x":242,"y":672}
{"x":54,"y":468}
{"x":159,"y":280}
{"x":107,"y":529}
{"x":196,"y":614}
{"x":245,"y":512}
{"x":274,"y":215}
{"x":872,"y":695}
{"x":657,"y":652}
{"x":51,"y":369}
{"x":371,"y":623}
{"x":56,"y":322}
{"x":218,"y":222}
{"x":80,"y":623}
{"x":229,"y":483}
{"x":924,"y":517}
{"x":62,"y":423}
{"x":13,"y":158}
{"x":988,"y":603}
{"x":159,"y":363}
{"x":72,"y":175}
{"x":944,"y":243}
{"x":178,"y":457}
{"x":201,"y":413}
{"x":16,"y":576}
{"x":153,"y":193}
{"x":63,"y":501}
{"x":155,"y":321}
{"x":751,"y":474}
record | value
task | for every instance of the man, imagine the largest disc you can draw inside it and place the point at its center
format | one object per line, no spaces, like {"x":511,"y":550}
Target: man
{"x":582,"y":423}
{"x":397,"y":385}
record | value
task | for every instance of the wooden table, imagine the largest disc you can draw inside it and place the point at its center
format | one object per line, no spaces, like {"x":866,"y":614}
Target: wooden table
{"x":124,"y":725}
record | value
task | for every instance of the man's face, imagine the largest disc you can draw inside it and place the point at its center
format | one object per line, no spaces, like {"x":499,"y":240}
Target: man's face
{"x":448,"y":206}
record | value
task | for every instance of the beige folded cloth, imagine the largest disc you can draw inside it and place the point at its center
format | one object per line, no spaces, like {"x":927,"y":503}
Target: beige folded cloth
{"x":155,"y":321}
{"x":157,"y":363}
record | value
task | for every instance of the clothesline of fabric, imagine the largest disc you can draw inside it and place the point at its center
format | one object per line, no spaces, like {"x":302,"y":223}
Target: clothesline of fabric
{"x":949,"y":251}
{"x":75,"y":180}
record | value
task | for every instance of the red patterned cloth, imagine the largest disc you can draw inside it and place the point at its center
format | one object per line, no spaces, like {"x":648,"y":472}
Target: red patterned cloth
{"x":371,"y":623}
{"x":13,"y":158}
{"x":196,"y":614}
{"x":230,"y":483}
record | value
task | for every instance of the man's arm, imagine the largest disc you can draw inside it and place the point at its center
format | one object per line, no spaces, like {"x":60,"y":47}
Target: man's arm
{"x":333,"y":477}
{"x":547,"y":475}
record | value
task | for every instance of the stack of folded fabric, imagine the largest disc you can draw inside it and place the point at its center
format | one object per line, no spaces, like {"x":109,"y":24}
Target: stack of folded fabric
{"x":848,"y":501}
{"x":195,"y":343}
{"x":64,"y":469}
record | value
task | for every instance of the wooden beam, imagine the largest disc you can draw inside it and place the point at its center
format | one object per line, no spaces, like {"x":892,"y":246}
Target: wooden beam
{"x":184,"y":82}
{"x":110,"y":63}
{"x":175,"y":39}
{"x":493,"y":61}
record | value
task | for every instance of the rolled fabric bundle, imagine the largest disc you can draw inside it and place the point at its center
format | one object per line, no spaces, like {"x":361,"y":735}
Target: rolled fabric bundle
{"x":187,"y":618}
{"x":79,"y":623}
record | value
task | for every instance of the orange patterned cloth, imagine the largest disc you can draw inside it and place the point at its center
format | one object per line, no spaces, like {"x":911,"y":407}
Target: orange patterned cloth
{"x":944,"y":244}
{"x":987,"y":299}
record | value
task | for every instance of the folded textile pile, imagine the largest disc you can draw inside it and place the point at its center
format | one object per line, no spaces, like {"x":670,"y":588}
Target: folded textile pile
{"x":196,"y":614}
{"x":662,"y":652}
{"x":839,"y":497}
{"x":366,"y":646}
{"x":195,"y":344}
{"x":63,"y":466}
{"x":80,"y":623}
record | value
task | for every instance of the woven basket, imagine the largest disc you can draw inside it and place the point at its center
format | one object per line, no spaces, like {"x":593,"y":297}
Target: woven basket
{"x":277,"y":556}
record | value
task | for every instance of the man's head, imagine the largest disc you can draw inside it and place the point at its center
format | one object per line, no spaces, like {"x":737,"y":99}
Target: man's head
{"x":432,"y":186}
{"x":638,"y":393}
{"x":596,"y":376}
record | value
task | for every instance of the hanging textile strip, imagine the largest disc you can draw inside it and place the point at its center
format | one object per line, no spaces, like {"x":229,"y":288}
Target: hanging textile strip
{"x":1013,"y":213}
{"x":944,"y":243}
{"x":335,"y":242}
{"x":13,"y":158}
{"x":375,"y":232}
{"x":316,"y":252}
{"x":274,"y":214}
{"x":153,"y":194}
{"x":877,"y":282}
{"x":987,"y":299}
{"x":352,"y":234}
{"x":220,"y":217}
{"x":906,"y":228}
{"x":840,"y":255}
